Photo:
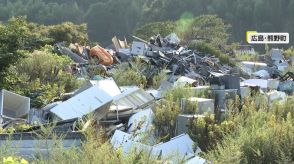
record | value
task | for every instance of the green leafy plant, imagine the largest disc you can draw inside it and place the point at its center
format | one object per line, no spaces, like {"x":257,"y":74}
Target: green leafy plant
{"x":42,"y":76}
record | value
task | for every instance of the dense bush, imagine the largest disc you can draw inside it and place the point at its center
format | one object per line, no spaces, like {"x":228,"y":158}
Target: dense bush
{"x":125,"y":75}
{"x":68,"y":32}
{"x":289,"y":52}
{"x":207,"y":48}
{"x":42,"y":76}
{"x":260,"y":135}
{"x":167,"y":111}
{"x":16,"y":35}
{"x":151,"y":29}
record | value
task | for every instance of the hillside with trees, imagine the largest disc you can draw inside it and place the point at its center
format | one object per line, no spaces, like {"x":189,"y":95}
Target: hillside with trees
{"x":251,"y":130}
{"x":106,"y":18}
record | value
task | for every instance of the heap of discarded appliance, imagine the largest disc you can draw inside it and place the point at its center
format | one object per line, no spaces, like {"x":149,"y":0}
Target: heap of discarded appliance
{"x":127,"y":111}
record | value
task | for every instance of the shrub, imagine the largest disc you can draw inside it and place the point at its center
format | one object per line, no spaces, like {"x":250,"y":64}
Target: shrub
{"x":207,"y":132}
{"x":166,"y":111}
{"x":124,"y":74}
{"x":289,"y":52}
{"x":262,"y":135}
{"x":68,"y":32}
{"x":41,"y":76}
{"x":158,"y":78}
{"x":207,"y":48}
{"x":246,"y":57}
{"x":14,"y":160}
{"x":151,"y":29}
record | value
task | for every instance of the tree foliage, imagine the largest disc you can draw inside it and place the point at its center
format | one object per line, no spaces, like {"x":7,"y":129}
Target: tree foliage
{"x":106,"y":18}
{"x":68,"y":32}
{"x":16,"y":35}
{"x":151,"y":29}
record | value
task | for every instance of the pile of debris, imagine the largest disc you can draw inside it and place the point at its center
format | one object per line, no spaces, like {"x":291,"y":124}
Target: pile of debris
{"x":127,"y":112}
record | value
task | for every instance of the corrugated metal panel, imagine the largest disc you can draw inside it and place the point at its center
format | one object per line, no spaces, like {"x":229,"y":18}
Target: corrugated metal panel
{"x":84,"y":103}
{"x":134,"y":98}
{"x":108,"y":85}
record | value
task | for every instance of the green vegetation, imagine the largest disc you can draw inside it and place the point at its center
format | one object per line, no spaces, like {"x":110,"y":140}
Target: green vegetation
{"x":42,"y":76}
{"x":250,"y":132}
{"x":208,"y":48}
{"x":68,"y":32}
{"x":260,"y":135}
{"x":15,"y":35}
{"x":166,"y":111}
{"x":151,"y":29}
{"x":105,"y":20}
{"x":125,"y":75}
{"x":289,"y":52}
{"x":246,"y":57}
{"x":95,"y":149}
{"x":16,"y":160}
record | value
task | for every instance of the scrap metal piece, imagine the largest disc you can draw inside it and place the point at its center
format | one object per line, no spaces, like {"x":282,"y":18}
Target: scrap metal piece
{"x":196,"y":160}
{"x":228,"y":81}
{"x":203,"y":105}
{"x":13,"y":106}
{"x":262,"y":74}
{"x":93,"y":99}
{"x":104,"y":57}
{"x":183,"y":81}
{"x":26,"y":145}
{"x":256,"y":83}
{"x":66,"y":51}
{"x":276,"y":54}
{"x":140,"y":125}
{"x":108,"y":85}
{"x":179,"y":147}
{"x":133,"y":97}
{"x":222,"y":97}
{"x":287,"y":76}
{"x":129,"y":102}
{"x":251,"y":67}
{"x":183,"y":122}
{"x":286,"y":86}
{"x":138,"y":48}
{"x":172,"y":39}
{"x":276,"y":96}
{"x":126,"y":141}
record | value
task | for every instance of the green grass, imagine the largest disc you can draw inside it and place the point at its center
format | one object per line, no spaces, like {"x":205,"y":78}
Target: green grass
{"x":246,"y":57}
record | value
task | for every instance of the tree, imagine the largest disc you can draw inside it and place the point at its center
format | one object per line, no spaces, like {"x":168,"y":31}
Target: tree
{"x":208,"y":28}
{"x":16,"y":35}
{"x":106,"y":20}
{"x":151,"y":29}
{"x":68,"y":32}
